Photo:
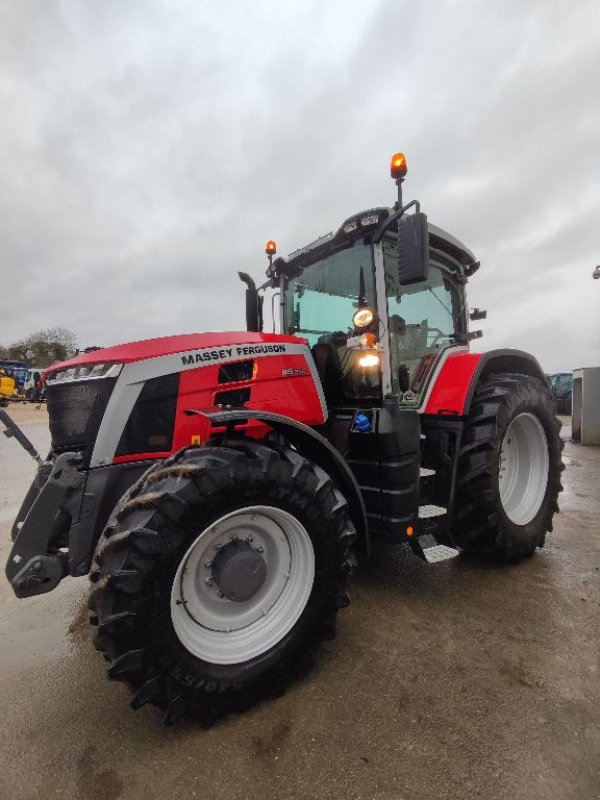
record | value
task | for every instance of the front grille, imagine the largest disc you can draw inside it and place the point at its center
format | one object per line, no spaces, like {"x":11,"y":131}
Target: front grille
{"x":75,"y":411}
{"x":149,"y":428}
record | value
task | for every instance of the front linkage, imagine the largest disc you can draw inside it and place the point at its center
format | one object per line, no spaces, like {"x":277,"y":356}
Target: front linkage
{"x":61,"y":517}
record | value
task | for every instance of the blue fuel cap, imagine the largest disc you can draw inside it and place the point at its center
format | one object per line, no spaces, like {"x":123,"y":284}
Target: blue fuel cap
{"x":362,"y":423}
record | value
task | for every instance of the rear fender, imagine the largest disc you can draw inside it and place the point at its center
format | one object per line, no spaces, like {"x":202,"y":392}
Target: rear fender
{"x":455,"y":386}
{"x":311,"y":445}
{"x":497,"y":361}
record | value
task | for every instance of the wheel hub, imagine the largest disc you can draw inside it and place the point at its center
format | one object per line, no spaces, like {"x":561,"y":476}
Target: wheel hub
{"x":239,"y":571}
{"x":242,"y":584}
{"x":523,"y":468}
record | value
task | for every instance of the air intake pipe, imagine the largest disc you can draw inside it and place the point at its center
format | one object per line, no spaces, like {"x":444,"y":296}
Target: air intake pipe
{"x":254,"y":304}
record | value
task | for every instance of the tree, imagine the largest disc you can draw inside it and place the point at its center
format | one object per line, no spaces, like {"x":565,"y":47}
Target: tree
{"x":44,"y":347}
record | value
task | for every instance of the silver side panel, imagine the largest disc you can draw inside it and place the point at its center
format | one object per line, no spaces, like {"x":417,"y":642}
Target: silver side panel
{"x":437,"y":370}
{"x":317,"y":380}
{"x":133,"y":377}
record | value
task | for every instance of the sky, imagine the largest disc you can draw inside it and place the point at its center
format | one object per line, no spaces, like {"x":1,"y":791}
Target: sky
{"x":149,"y":149}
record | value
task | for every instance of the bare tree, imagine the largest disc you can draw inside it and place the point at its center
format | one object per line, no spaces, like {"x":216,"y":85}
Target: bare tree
{"x":44,"y":347}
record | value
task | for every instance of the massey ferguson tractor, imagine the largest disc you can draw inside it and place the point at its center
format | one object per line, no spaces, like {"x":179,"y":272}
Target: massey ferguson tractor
{"x":217,"y":486}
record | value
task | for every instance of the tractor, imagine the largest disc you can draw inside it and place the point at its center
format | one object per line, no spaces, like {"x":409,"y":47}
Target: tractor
{"x":220,"y":488}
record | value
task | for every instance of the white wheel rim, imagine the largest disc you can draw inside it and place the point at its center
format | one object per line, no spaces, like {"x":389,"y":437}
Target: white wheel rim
{"x":523,"y":468}
{"x":222,"y":631}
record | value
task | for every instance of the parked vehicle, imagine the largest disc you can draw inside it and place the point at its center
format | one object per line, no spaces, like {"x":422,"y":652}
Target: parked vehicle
{"x":216,"y":486}
{"x":16,"y":370}
{"x":7,"y":387}
{"x":561,"y":391}
{"x":32,"y":387}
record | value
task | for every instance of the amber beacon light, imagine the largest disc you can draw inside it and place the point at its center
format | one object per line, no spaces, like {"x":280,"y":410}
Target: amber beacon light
{"x":271,"y":248}
{"x":398,"y":166}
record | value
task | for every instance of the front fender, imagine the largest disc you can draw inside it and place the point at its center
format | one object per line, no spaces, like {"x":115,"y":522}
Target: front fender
{"x":309,"y":443}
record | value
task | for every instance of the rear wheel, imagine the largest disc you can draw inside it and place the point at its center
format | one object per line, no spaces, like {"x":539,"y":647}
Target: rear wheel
{"x":509,"y":469}
{"x":223,"y":570}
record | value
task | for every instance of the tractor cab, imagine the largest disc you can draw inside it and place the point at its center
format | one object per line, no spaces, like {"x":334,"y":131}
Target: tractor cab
{"x":363,"y":357}
{"x":378,"y":301}
{"x":381,"y":303}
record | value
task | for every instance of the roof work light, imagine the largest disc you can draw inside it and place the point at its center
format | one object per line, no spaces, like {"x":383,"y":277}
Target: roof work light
{"x":365,"y":318}
{"x":271,"y":250}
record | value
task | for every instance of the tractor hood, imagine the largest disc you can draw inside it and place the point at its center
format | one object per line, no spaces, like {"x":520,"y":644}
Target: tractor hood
{"x":168,"y":345}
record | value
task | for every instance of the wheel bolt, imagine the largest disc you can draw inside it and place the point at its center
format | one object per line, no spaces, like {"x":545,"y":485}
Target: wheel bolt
{"x":260,"y":548}
{"x":249,"y":538}
{"x":233,"y":537}
{"x":208,"y":563}
{"x":220,"y":593}
{"x":208,"y":581}
{"x":217,"y":545}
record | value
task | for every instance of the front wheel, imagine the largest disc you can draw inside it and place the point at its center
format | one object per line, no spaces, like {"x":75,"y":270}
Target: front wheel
{"x":223,"y":572}
{"x":508,"y":470}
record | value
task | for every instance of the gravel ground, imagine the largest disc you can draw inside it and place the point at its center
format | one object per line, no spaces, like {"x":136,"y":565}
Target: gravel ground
{"x":458,"y":680}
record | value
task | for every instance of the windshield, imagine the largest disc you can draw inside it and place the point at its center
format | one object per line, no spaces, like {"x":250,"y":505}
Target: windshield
{"x":319,"y":305}
{"x":423,"y":319}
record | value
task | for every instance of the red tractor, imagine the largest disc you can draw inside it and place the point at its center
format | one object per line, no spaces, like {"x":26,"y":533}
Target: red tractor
{"x":217,"y":485}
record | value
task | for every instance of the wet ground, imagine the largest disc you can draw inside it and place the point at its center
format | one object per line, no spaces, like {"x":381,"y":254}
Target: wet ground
{"x":457,"y":680}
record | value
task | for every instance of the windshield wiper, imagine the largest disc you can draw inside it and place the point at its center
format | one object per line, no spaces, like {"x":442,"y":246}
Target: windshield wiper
{"x":429,"y":289}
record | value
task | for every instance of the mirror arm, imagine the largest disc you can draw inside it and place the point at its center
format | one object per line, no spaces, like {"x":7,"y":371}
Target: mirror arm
{"x":387,"y":223}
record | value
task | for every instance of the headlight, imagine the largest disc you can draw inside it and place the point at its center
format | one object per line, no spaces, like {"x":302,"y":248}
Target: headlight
{"x":86,"y":372}
{"x":369,"y":360}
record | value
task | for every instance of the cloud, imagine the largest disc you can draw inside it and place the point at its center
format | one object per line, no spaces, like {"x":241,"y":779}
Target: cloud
{"x":149,"y":150}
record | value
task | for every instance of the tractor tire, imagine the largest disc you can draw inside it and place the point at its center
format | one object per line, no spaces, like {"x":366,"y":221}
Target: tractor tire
{"x":508,"y":475}
{"x":189,"y":612}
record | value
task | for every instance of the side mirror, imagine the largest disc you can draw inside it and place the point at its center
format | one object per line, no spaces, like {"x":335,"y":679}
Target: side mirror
{"x":413,"y":248}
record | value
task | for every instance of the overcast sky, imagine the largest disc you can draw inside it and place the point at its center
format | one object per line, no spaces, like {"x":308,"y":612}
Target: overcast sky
{"x":149,"y":149}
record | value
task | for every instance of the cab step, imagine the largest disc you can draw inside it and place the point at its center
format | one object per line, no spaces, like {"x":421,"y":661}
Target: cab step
{"x":428,"y":548}
{"x":428,"y":511}
{"x":425,"y":472}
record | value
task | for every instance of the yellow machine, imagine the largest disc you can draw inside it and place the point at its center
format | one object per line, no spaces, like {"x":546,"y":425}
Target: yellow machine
{"x":7,"y":386}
